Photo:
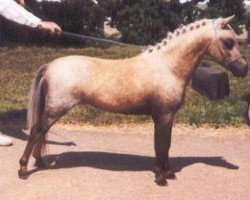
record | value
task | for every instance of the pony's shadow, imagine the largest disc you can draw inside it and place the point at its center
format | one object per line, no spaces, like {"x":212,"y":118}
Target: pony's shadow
{"x":124,"y":162}
{"x":13,"y":122}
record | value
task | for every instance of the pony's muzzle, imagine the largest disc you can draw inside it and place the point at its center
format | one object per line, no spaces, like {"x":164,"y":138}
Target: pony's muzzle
{"x":238,"y":69}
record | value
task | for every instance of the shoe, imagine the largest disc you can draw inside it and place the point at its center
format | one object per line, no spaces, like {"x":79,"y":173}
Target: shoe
{"x":5,"y":141}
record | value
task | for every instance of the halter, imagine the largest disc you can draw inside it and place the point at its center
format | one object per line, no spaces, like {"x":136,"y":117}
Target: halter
{"x":227,"y":60}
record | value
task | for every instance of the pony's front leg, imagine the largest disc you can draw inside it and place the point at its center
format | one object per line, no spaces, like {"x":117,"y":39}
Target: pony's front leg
{"x":162,"y":141}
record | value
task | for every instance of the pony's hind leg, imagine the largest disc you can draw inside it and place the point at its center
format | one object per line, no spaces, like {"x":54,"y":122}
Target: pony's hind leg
{"x":36,"y":143}
{"x":34,"y":136}
{"x":48,"y":121}
{"x":37,"y":152}
{"x":49,"y":118}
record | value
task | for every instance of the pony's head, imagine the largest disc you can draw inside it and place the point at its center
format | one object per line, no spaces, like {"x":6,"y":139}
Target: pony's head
{"x":224,"y":48}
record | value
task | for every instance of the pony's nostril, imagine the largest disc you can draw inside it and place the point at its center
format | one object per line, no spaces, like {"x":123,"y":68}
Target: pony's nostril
{"x":244,"y":71}
{"x":238,"y":71}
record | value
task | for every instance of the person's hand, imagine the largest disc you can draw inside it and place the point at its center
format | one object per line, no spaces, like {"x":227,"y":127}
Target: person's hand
{"x":21,"y":2}
{"x":50,"y":27}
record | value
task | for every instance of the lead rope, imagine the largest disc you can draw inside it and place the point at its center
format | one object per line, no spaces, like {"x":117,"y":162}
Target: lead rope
{"x":85,"y":37}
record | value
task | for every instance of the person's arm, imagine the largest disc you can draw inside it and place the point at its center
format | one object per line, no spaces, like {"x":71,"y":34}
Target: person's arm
{"x":14,"y":12}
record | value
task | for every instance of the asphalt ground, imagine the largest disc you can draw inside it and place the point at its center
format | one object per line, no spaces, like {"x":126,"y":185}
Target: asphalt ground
{"x":116,"y":163}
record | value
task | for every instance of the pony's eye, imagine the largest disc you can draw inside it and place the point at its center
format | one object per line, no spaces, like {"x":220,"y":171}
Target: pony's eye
{"x":228,"y":43}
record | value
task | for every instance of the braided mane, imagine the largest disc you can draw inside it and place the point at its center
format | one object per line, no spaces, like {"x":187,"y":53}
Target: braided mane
{"x":178,"y":32}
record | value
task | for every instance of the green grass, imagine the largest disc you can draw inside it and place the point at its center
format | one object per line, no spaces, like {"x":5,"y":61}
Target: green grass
{"x":18,"y":66}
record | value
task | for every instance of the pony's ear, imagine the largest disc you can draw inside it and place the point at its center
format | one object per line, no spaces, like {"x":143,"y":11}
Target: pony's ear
{"x":226,"y":21}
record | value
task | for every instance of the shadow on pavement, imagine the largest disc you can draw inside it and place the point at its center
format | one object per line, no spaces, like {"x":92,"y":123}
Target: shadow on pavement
{"x":124,"y":162}
{"x":13,"y":122}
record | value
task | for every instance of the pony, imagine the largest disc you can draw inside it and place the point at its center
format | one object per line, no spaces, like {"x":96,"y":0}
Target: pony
{"x":151,"y":83}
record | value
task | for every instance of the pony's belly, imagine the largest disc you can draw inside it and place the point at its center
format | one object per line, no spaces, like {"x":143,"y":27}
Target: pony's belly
{"x":132,"y":111}
{"x":141,"y":108}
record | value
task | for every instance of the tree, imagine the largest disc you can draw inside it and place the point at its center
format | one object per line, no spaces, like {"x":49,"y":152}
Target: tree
{"x":190,"y":12}
{"x":225,"y":8}
{"x":84,"y":17}
{"x":136,"y":20}
{"x":143,"y":21}
{"x":148,"y":21}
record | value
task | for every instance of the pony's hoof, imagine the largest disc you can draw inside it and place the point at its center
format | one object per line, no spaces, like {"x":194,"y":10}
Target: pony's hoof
{"x":23,"y":174}
{"x":170,"y":175}
{"x":160,"y":180}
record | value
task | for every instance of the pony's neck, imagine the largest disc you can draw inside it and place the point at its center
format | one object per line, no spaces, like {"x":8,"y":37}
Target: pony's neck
{"x":184,"y":49}
{"x":188,"y":51}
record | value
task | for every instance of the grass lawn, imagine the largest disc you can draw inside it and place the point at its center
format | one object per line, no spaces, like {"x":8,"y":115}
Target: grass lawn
{"x":18,"y":66}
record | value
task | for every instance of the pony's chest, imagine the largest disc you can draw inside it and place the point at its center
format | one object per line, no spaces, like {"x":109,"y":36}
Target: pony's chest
{"x":169,"y":92}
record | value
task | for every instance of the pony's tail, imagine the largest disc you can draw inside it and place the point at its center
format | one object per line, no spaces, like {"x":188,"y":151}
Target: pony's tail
{"x":36,"y":99}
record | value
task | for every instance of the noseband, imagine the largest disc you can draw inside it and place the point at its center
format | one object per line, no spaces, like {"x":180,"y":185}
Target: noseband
{"x":227,"y":60}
